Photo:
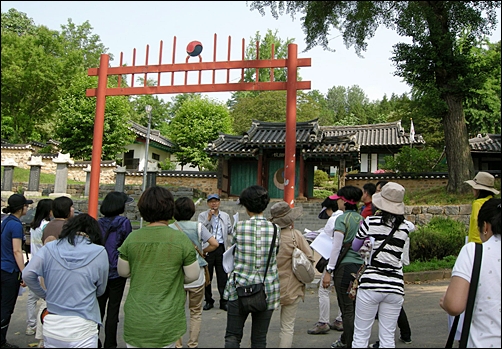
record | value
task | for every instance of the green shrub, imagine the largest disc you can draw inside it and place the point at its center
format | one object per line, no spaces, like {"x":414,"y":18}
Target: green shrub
{"x":322,"y":193}
{"x":415,"y":160}
{"x":440,"y":238}
{"x":320,"y":177}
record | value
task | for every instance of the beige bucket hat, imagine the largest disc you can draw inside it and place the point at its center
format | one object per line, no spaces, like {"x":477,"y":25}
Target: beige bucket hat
{"x":390,"y":199}
{"x":483,"y":181}
{"x":283,"y":215}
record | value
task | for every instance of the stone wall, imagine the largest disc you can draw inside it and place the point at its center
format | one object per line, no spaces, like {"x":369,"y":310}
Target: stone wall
{"x":20,"y":156}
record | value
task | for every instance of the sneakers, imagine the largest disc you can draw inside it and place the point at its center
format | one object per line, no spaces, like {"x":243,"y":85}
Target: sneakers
{"x":405,"y":341}
{"x":319,"y":328}
{"x":336,"y":325}
{"x":8,"y":345}
{"x":338,"y":344}
{"x":30,"y":330}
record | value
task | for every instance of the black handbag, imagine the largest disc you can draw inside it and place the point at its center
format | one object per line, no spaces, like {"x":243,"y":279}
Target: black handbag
{"x":473,"y":287}
{"x":252,"y":298}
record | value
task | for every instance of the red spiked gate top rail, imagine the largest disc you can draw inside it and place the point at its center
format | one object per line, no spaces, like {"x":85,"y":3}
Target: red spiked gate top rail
{"x":199,"y":66}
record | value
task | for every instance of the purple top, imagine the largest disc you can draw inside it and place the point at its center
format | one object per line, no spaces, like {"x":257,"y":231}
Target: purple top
{"x":114,"y":230}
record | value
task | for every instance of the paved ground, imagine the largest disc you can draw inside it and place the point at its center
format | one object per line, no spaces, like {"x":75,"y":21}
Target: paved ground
{"x":427,"y":320}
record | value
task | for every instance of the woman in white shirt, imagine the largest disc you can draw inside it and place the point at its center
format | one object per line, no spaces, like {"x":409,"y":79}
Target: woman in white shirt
{"x":486,"y":322}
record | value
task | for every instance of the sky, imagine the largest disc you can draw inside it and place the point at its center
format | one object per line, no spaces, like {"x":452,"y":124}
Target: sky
{"x":125,"y":25}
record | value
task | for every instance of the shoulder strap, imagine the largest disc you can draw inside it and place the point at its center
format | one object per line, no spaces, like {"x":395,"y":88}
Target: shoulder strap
{"x":473,"y":286}
{"x":270,"y":251}
{"x":387,"y":239}
{"x":194,"y":245}
{"x":294,"y":240}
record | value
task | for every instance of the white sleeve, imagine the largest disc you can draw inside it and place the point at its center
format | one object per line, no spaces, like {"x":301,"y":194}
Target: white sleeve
{"x":464,"y":263}
{"x":405,"y":257}
{"x":335,"y":249}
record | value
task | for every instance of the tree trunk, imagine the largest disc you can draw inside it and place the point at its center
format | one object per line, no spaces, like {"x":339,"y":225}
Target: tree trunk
{"x":458,"y":152}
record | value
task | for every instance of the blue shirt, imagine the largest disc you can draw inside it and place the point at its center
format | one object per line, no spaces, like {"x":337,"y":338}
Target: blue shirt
{"x":115,"y":230}
{"x":12,"y":228}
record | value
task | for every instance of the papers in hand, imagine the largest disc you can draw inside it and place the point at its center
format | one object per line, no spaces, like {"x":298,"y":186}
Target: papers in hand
{"x":322,"y":244}
{"x":228,"y":259}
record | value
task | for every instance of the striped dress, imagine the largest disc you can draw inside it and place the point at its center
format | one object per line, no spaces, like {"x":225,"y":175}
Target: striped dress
{"x":385,"y":274}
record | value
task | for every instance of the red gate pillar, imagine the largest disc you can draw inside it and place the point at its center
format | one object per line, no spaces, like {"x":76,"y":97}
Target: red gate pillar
{"x":97,"y":141}
{"x":290,"y":145}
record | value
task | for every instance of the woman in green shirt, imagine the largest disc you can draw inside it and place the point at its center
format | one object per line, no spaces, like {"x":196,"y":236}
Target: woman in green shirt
{"x":159,"y":260}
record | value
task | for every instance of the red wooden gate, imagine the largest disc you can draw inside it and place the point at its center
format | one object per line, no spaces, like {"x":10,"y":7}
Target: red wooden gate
{"x":292,"y":63}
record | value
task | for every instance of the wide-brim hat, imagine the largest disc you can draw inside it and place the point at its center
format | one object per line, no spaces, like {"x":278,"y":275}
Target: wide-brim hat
{"x":390,"y":199}
{"x":283,"y":215}
{"x":483,"y":181}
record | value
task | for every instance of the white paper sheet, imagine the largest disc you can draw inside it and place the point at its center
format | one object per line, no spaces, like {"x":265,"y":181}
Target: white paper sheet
{"x":228,"y":259}
{"x":322,"y":244}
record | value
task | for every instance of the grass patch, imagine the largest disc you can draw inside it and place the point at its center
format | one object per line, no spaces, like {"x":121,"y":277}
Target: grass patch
{"x":439,"y":196}
{"x":23,"y":175}
{"x":433,"y":264}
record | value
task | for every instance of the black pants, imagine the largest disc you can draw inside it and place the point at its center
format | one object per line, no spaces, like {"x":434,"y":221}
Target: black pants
{"x":112,"y":296}
{"x":215,"y":262}
{"x":10,"y":290}
{"x":342,"y":278}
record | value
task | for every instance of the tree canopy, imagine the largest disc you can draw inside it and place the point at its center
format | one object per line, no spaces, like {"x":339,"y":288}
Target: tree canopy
{"x":434,"y":59}
{"x":197,"y":122}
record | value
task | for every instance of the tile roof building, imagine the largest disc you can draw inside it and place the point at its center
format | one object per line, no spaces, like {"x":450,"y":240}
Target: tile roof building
{"x":258,"y":155}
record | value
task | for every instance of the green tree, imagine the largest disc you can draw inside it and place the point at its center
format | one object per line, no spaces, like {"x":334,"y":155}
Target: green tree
{"x":76,"y":116}
{"x":271,"y":106}
{"x":415,"y":160}
{"x":38,"y":65}
{"x":482,"y":105}
{"x":160,"y":109}
{"x":432,"y":60}
{"x":197,"y":122}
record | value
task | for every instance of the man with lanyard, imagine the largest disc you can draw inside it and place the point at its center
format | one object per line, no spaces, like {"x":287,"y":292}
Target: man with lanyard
{"x":220,"y":225}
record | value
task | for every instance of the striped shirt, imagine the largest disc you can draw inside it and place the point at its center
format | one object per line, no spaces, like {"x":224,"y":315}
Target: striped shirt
{"x":253,"y":239}
{"x":385,"y":274}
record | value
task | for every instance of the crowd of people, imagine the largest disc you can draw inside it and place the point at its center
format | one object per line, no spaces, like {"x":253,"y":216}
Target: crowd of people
{"x":80,"y":266}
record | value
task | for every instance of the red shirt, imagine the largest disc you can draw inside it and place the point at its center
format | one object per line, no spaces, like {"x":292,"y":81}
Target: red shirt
{"x":368,"y":210}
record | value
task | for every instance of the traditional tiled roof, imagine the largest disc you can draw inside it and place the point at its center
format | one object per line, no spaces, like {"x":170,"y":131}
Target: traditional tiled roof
{"x":16,"y":146}
{"x":273,"y":134}
{"x":375,"y":135}
{"x":104,"y":163}
{"x":315,"y":140}
{"x":155,"y":135}
{"x":489,"y":143}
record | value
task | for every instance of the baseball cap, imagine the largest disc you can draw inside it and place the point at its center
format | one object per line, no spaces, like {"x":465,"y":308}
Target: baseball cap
{"x":213,"y":196}
{"x":17,"y":200}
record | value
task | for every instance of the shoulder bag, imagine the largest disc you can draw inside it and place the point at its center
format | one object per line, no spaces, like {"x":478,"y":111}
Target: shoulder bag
{"x":303,"y":268}
{"x":354,"y":284}
{"x":252,"y":298}
{"x":473,"y":288}
{"x":207,"y":278}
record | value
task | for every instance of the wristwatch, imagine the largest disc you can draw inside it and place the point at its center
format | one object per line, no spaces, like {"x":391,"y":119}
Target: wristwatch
{"x":330,"y":270}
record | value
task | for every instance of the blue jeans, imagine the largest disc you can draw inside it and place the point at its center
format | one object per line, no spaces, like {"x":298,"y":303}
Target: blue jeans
{"x":10,"y":290}
{"x":235,"y":326}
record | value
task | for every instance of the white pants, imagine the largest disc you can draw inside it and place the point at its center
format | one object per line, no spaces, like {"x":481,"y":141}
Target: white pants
{"x":324,"y":302}
{"x":172,"y":345}
{"x":368,"y":304}
{"x":91,"y":342}
{"x":288,"y":317}
{"x":31,"y":309}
